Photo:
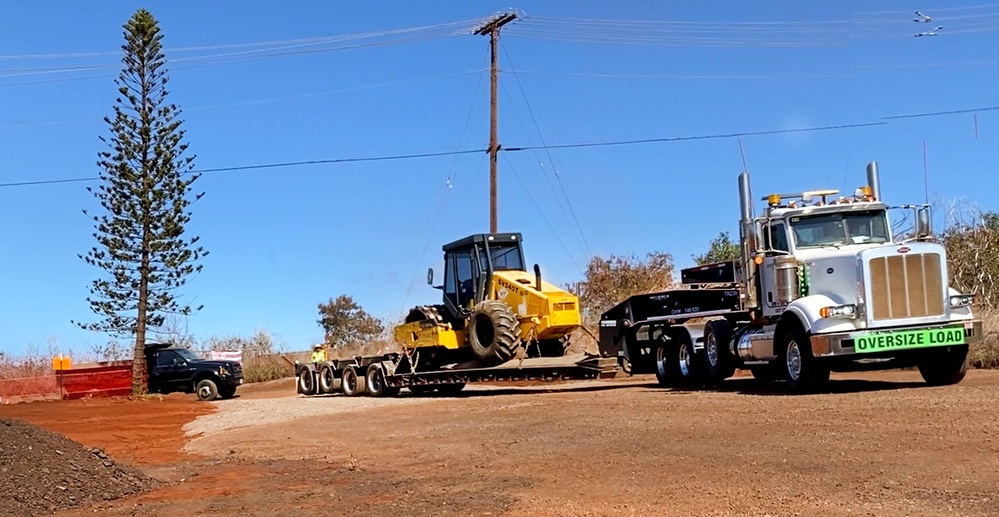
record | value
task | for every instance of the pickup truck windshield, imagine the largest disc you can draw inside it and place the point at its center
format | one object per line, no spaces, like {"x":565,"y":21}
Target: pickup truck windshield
{"x":188,"y":355}
{"x":840,"y":229}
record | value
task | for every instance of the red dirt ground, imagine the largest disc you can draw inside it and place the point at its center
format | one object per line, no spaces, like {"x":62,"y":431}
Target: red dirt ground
{"x":878,"y":444}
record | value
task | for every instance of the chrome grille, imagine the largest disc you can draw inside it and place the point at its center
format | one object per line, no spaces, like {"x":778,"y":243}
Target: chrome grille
{"x":906,"y":286}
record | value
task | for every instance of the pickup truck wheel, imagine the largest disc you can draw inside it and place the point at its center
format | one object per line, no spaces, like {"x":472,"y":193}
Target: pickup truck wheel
{"x":718,"y":361}
{"x":352,"y":383}
{"x":944,"y":366}
{"x":801,"y":371}
{"x":206,"y":389}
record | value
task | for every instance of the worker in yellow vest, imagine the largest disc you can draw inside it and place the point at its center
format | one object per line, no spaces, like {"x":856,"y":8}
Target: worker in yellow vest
{"x":318,"y":353}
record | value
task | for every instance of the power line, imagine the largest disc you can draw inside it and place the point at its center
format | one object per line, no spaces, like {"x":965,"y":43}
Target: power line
{"x":558,"y":178}
{"x":938,"y":113}
{"x":269,"y":166}
{"x":697,"y":137}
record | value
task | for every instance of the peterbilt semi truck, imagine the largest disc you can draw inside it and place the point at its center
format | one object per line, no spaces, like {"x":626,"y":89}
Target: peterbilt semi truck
{"x":821,"y":285}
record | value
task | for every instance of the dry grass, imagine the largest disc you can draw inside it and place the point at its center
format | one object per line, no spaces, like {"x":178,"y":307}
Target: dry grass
{"x":986,"y":353}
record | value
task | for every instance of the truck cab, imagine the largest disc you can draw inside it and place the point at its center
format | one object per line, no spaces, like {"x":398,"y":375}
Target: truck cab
{"x":174,"y":369}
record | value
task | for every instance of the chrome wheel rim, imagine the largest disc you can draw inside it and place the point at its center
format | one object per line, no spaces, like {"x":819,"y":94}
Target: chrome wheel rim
{"x":205,"y":392}
{"x":793,"y":360}
{"x":661,"y":361}
{"x":711,"y":350}
{"x":684,"y":356}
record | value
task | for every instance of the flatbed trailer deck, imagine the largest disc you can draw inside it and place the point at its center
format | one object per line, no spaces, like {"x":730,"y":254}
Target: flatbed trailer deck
{"x":386,"y":375}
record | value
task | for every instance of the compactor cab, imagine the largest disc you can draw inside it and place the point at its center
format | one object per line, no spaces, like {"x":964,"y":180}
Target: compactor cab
{"x":492,"y":307}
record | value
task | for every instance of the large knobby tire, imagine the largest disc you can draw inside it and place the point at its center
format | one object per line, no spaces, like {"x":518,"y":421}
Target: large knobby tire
{"x":802,"y":372}
{"x":944,"y":366}
{"x":676,"y":364}
{"x":306,"y":381}
{"x":718,"y":361}
{"x":327,"y":379}
{"x":352,"y":383}
{"x":492,"y":333}
{"x":206,"y":389}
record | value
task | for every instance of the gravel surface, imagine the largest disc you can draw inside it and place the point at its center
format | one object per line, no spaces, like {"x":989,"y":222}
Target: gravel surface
{"x":879,"y":444}
{"x":41,"y":472}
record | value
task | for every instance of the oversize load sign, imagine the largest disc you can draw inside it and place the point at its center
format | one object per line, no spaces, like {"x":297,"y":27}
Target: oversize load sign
{"x":884,"y":341}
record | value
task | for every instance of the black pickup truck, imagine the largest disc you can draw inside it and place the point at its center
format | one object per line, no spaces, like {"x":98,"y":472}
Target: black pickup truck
{"x":173,"y":369}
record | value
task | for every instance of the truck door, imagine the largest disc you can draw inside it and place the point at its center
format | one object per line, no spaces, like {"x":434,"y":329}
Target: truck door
{"x":777,"y":253}
{"x":460,"y":279}
{"x":169,"y":371}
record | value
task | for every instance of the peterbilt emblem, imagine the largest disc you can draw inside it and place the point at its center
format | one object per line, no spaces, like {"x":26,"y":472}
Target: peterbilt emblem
{"x":830,"y":271}
{"x":903,"y":249}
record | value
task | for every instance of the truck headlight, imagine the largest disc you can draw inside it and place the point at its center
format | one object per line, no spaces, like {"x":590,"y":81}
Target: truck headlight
{"x":839,"y":311}
{"x":962,"y":300}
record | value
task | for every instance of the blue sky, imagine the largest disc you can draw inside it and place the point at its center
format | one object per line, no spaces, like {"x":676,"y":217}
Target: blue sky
{"x":284,"y":239}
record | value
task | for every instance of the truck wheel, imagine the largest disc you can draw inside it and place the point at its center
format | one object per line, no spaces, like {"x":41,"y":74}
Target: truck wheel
{"x":676,"y":364}
{"x":803,"y":373}
{"x":306,"y":382}
{"x":206,"y":389}
{"x":944,"y":366}
{"x":327,"y":379}
{"x":375,"y":381}
{"x":352,"y":383}
{"x":492,"y":332}
{"x":718,"y":361}
{"x":450,"y":389}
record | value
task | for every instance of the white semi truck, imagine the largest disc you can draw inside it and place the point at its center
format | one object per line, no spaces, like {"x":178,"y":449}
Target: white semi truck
{"x":821,"y":285}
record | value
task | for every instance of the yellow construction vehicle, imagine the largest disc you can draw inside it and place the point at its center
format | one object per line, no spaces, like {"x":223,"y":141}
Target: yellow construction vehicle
{"x":492,"y":308}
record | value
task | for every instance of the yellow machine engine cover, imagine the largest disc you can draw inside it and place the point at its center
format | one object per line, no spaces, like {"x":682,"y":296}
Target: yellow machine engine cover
{"x":428,"y":334}
{"x":555,"y":311}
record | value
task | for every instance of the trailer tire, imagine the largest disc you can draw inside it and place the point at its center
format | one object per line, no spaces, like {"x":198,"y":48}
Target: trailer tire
{"x":492,"y":332}
{"x":327,"y":379}
{"x":676,"y":364}
{"x":718,"y":361}
{"x":944,"y":366}
{"x":306,"y":381}
{"x":352,"y":383}
{"x":802,"y":372}
{"x":375,"y":382}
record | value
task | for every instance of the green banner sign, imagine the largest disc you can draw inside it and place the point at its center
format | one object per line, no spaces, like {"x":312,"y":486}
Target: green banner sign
{"x":867,"y":342}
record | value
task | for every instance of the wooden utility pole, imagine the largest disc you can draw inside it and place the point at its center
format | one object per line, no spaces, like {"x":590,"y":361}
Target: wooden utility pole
{"x":492,"y":28}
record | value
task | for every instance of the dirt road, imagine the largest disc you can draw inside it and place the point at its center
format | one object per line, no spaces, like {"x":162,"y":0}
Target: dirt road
{"x":880,"y":444}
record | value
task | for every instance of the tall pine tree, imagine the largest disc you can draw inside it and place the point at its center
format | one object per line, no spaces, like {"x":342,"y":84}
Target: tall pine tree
{"x":145,"y":191}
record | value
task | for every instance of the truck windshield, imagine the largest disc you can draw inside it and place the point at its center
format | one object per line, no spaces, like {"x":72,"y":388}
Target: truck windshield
{"x":840,"y":229}
{"x":188,"y":355}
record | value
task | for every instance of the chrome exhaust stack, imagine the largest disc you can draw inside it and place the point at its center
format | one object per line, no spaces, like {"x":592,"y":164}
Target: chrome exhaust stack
{"x":873,"y":180}
{"x":747,"y":234}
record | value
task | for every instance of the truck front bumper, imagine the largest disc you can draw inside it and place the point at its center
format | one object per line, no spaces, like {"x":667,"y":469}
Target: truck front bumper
{"x":900,"y":339}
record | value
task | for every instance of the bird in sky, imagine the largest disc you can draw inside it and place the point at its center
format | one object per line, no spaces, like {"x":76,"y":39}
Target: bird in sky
{"x":922,"y":17}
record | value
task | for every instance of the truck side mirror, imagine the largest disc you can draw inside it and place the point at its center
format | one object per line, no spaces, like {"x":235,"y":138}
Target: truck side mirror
{"x":924,"y":227}
{"x":430,"y":276}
